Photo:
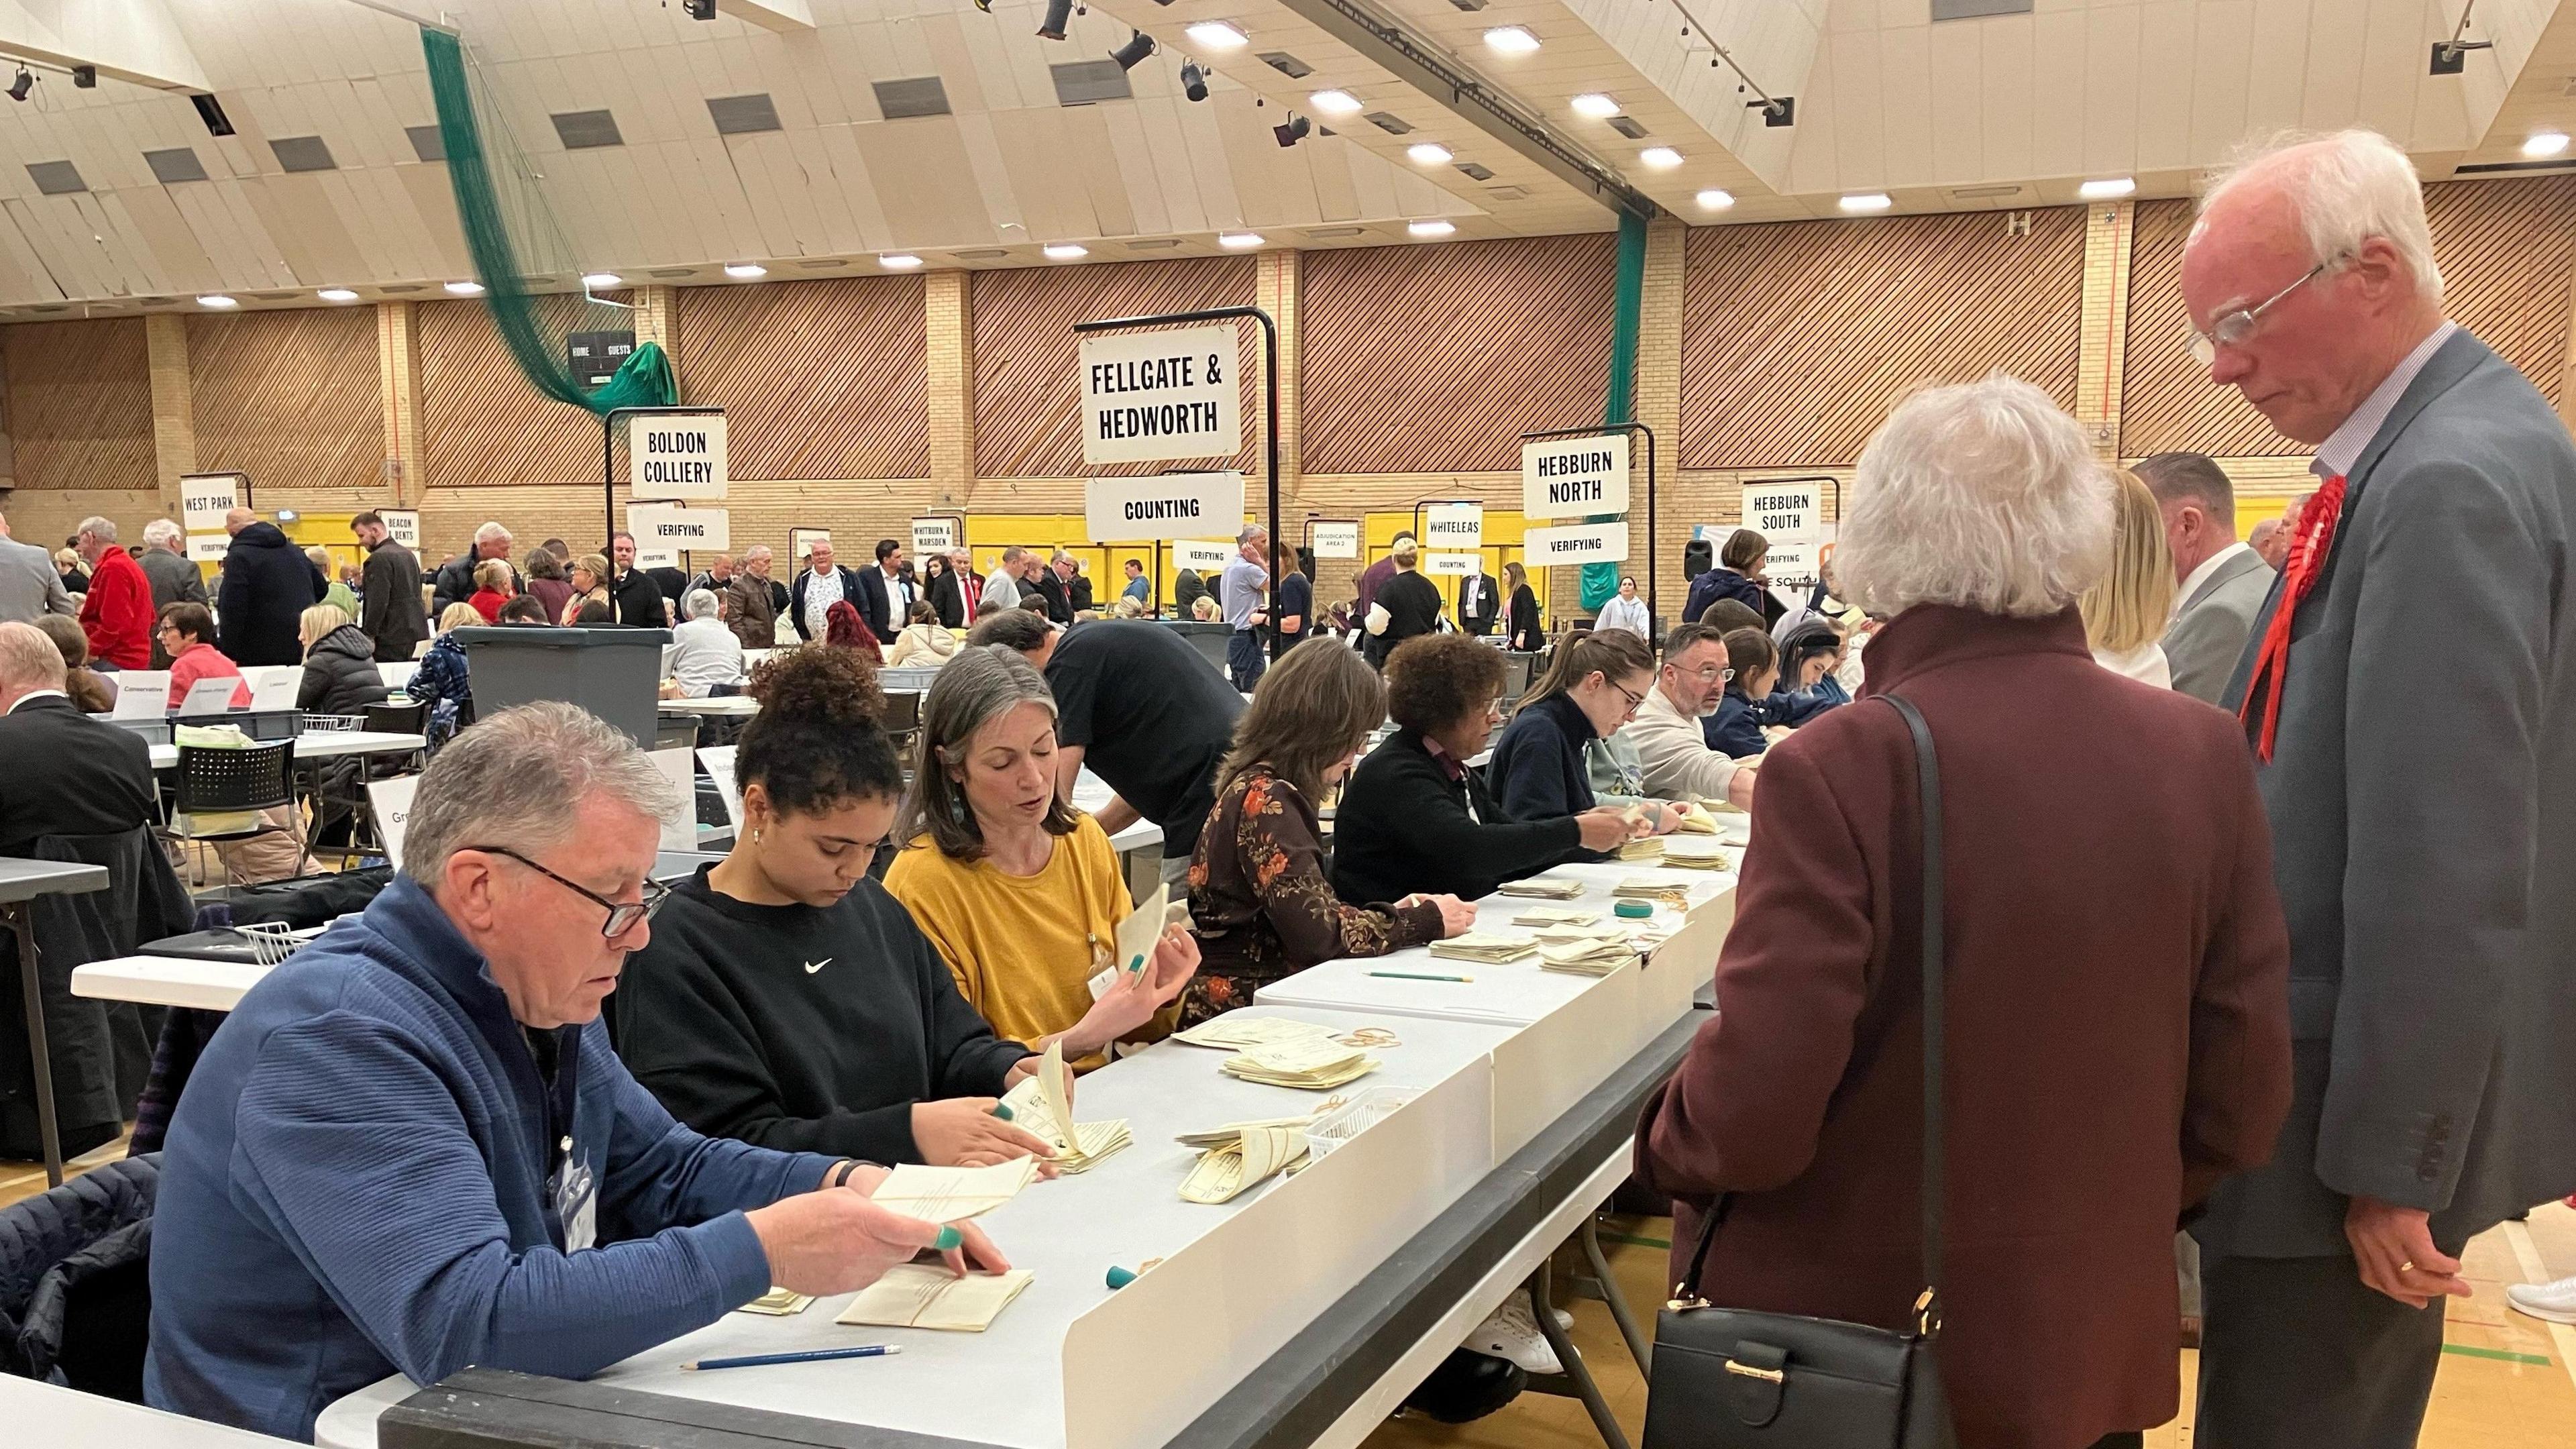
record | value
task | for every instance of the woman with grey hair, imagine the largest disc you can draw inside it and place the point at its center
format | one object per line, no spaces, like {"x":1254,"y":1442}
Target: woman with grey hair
{"x":2114,"y":969}
{"x":706,"y":658}
{"x":1018,"y":889}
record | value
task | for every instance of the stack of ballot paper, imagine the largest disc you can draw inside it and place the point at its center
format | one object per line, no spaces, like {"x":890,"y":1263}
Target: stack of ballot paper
{"x":1645,"y":888}
{"x":953,"y":1194}
{"x":1038,"y":1106}
{"x":1554,"y":916}
{"x":1596,"y":957}
{"x":1697,"y":853}
{"x":778,"y":1303}
{"x":1695,"y":821}
{"x":1313,"y":1066}
{"x":1233,"y":1131}
{"x":1541,"y":888}
{"x":1650,"y":848}
{"x":927,"y":1295}
{"x":1234,"y":1031}
{"x":1596,"y":931}
{"x":1477,"y":946}
{"x":1258,"y":1153}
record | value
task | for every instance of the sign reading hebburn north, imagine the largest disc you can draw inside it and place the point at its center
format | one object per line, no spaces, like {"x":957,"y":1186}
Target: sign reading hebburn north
{"x":677,"y":457}
{"x":1149,"y":397}
{"x":1574,"y":477}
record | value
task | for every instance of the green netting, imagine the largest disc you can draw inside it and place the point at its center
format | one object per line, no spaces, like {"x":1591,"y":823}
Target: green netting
{"x":516,"y":245}
{"x":1601,"y":580}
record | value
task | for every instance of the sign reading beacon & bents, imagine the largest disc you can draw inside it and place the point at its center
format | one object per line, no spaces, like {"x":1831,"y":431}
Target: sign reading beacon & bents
{"x":1175,"y":505}
{"x":1151,"y":397}
{"x":677,"y":457}
{"x":1573,"y":477}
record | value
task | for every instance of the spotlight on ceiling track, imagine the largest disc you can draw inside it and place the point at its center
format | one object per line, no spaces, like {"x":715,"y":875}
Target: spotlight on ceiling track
{"x":1059,"y":14}
{"x":699,"y":9}
{"x":25,"y":82}
{"x":1193,"y":81}
{"x":84,"y":77}
{"x":1131,"y":55}
{"x":1293,"y":130}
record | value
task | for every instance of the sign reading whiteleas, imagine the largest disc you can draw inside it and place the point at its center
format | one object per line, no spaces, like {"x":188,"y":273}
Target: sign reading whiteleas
{"x":658,"y":527}
{"x":677,"y":457}
{"x":1175,"y":505}
{"x":1785,"y":512}
{"x":1451,"y":527}
{"x":204,"y":499}
{"x":1582,"y":543}
{"x":1152,"y":396}
{"x":1572,"y":477}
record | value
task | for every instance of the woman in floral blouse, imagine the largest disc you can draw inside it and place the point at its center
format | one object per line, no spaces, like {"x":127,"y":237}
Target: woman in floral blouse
{"x":1258,"y":893}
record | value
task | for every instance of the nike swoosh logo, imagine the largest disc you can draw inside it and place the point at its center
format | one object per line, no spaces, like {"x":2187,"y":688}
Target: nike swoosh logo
{"x":813,"y":966}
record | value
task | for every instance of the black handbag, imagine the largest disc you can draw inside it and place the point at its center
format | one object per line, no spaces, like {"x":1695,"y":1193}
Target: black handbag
{"x":1733,"y":1378}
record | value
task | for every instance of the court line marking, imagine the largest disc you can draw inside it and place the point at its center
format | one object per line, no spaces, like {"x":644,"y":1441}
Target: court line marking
{"x":2525,"y":1252}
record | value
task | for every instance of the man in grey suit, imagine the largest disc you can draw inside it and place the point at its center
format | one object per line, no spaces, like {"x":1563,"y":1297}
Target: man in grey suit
{"x":175,"y":580}
{"x":30,"y":586}
{"x":2223,"y":582}
{"x":2424,"y":873}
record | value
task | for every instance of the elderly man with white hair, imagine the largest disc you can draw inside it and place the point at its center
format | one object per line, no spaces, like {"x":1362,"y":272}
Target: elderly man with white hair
{"x":411,"y":1148}
{"x":706,"y":658}
{"x":175,"y":577}
{"x":454,"y":581}
{"x":2112,"y":1017}
{"x":2431,"y":921}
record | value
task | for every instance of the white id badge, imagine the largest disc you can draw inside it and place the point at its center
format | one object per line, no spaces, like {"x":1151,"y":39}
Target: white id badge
{"x":577,"y":1204}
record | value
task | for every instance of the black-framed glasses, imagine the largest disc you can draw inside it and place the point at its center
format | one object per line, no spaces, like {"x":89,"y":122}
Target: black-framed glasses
{"x":2232,"y":328}
{"x":623,"y":916}
{"x":1635,"y":699}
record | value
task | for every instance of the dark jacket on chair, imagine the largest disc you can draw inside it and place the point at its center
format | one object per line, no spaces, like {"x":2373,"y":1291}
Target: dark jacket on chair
{"x":1407,"y":826}
{"x":268,"y":583}
{"x":340,"y":674}
{"x":80,"y":1251}
{"x":389,"y":610}
{"x":63,"y":773}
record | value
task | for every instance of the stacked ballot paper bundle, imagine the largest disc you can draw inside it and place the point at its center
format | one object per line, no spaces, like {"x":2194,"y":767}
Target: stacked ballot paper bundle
{"x":1234,"y":1031}
{"x":1317,"y":1065}
{"x":1477,"y":946}
{"x":1542,"y":888}
{"x":1591,"y":957}
{"x":1650,"y":848}
{"x":1698,"y":853}
{"x":927,"y":1295}
{"x":1644,"y":888}
{"x":1038,"y":1106}
{"x":1258,"y":1152}
{"x":1554,"y":916}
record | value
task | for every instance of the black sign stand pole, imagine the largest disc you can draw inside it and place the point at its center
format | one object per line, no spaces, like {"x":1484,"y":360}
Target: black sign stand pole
{"x":1270,"y":395}
{"x":608,"y":478}
{"x":1585,"y":432}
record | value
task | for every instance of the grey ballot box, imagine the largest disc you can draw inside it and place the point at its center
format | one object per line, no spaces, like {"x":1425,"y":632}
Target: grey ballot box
{"x":615,"y":673}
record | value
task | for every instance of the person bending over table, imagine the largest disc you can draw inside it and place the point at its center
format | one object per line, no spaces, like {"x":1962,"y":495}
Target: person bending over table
{"x":786,"y":1000}
{"x":1415,"y":818}
{"x":1592,"y":686}
{"x":1018,"y":890}
{"x":411,"y":1147}
{"x":1258,"y":895}
{"x":1667,"y":730}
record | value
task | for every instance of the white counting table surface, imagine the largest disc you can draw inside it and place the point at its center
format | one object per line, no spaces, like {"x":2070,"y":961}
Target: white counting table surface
{"x":323,"y":745}
{"x":42,"y":1414}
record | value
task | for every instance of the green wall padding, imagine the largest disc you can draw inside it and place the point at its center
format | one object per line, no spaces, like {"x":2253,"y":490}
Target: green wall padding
{"x":1600,"y":581}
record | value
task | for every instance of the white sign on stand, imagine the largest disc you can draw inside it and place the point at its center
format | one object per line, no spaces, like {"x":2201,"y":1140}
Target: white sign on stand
{"x":1574,"y":477}
{"x":1785,"y":512}
{"x":204,"y":499}
{"x":1336,"y":540}
{"x":660,"y":527}
{"x":656,"y":557}
{"x":801,"y":541}
{"x":1583,"y":543}
{"x":677,"y":457}
{"x":937,"y":535}
{"x":1201,"y":555}
{"x":1450,"y":565}
{"x":1175,"y":505}
{"x":1453,"y":527}
{"x":402,"y":525}
{"x":1148,"y":397}
{"x":208,"y":547}
{"x":1793,"y":567}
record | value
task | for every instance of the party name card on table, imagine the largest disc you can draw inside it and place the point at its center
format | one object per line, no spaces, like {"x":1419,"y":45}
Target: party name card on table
{"x":927,"y":1295}
{"x":953,"y":1194}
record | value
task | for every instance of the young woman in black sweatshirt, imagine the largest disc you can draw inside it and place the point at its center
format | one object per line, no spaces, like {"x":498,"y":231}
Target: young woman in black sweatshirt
{"x":785,"y":999}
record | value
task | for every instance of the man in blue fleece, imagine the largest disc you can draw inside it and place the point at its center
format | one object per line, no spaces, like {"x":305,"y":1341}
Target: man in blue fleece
{"x":410,"y":1148}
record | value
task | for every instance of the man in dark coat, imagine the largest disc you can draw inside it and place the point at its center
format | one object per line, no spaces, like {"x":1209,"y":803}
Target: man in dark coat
{"x":633,"y":595}
{"x":455,"y":581}
{"x":268,"y":583}
{"x":389,"y":607}
{"x":1050,"y":586}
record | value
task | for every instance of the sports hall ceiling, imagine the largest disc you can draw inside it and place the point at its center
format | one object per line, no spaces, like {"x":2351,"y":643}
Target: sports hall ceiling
{"x":843,"y":131}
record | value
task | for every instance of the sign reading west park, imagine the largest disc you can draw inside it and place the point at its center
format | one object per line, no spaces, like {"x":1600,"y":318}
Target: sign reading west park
{"x":1150,"y":397}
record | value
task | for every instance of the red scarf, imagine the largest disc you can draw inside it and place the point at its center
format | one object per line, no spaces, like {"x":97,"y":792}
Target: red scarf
{"x":2311,"y":544}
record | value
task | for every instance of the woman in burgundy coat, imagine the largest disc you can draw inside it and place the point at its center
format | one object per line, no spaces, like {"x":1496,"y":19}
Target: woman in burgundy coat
{"x":2117,"y":1011}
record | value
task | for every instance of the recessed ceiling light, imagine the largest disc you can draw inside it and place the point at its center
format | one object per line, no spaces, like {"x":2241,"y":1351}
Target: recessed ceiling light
{"x":601,"y":279}
{"x":337,"y":294}
{"x":1596,"y":105}
{"x":2544,"y":144}
{"x":1716,"y":199}
{"x":745,"y":270}
{"x":465,"y":289}
{"x":1429,"y":153}
{"x":1240,"y":240}
{"x":1066,"y":252}
{"x":2108,"y":188}
{"x":1867,"y":201}
{"x":1433,"y":227}
{"x":1511,"y":40}
{"x":216,"y":299}
{"x":1215,"y":35}
{"x":1335,"y":103}
{"x":899,"y":261}
{"x":1662,"y":158}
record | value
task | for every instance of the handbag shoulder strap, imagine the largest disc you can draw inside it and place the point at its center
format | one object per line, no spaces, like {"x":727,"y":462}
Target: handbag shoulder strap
{"x":1927,"y":770}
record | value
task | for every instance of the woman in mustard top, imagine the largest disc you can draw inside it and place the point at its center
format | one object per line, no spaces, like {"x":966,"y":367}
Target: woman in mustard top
{"x":1019,"y":891}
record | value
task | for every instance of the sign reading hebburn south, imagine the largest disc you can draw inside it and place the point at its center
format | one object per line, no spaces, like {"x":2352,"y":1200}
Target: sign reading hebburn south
{"x":1785,"y":512}
{"x":677,"y":457}
{"x":1175,"y":505}
{"x":1152,"y":396}
{"x":1572,"y":477}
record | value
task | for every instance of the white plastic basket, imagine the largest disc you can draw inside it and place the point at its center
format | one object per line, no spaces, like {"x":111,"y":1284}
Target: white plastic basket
{"x":271,"y":942}
{"x":1362,"y":1112}
{"x":333,"y":723}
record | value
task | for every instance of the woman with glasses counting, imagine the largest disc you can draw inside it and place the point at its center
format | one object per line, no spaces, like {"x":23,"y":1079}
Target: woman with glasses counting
{"x":1592,"y":686}
{"x":1414,"y":820}
{"x":785,"y":999}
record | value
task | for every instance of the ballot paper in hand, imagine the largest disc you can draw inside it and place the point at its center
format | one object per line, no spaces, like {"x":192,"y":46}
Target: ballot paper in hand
{"x":1695,"y":821}
{"x":1542,"y":888}
{"x":1313,"y":1066}
{"x":953,"y":1194}
{"x":1133,"y":945}
{"x":1040,"y":1105}
{"x":1257,"y":1154}
{"x":927,"y":1295}
{"x":1234,"y":1031}
{"x":1478,"y":946}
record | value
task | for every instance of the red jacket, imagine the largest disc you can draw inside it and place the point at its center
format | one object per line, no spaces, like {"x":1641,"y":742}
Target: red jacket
{"x":2118,"y":1022}
{"x":117,"y":614}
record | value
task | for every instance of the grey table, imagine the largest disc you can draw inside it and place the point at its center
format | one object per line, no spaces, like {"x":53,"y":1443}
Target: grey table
{"x":21,"y":881}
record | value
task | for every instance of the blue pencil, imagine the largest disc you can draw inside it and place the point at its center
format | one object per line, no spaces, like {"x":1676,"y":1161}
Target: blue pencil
{"x":817,"y":1355}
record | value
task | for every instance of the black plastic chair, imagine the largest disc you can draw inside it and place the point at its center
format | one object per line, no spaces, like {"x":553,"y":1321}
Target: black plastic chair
{"x":218,"y":781}
{"x":397,"y":717}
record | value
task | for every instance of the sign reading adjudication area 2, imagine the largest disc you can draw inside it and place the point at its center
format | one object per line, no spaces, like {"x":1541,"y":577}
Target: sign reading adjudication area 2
{"x":402,"y":525}
{"x":937,"y":535}
{"x":1581,"y":543}
{"x":1785,"y":512}
{"x":1452,"y":527}
{"x":658,"y":527}
{"x":1336,"y":540}
{"x":1572,"y":477}
{"x":679,"y":457}
{"x":204,"y":499}
{"x":1152,"y":396}
{"x":1175,"y":505}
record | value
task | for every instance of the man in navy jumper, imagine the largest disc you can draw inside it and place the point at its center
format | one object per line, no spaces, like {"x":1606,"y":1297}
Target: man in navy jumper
{"x":410,"y":1147}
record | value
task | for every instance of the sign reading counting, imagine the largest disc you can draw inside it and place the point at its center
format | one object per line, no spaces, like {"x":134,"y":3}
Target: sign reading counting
{"x":1174,"y":505}
{"x":677,"y":457}
{"x":1785,"y":512}
{"x":1453,"y":527}
{"x":1152,"y":396}
{"x":665,"y":529}
{"x":1584,"y":543}
{"x":1571,"y":477}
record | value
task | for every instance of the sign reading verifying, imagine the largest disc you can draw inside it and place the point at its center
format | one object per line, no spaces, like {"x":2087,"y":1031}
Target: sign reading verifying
{"x":1451,"y":565}
{"x":1336,"y":540}
{"x":1785,"y":512}
{"x":1448,"y":527}
{"x":204,"y":499}
{"x":1202,"y":555}
{"x":208,"y":547}
{"x":1792,"y":567}
{"x":1580,"y":543}
{"x":658,"y":527}
{"x":1175,"y":505}
{"x":937,"y":535}
{"x":677,"y":457}
{"x":1152,"y":396}
{"x":1572,"y":477}
{"x":402,"y":525}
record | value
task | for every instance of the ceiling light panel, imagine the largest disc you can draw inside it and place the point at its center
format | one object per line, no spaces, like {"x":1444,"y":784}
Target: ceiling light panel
{"x":1216,"y":35}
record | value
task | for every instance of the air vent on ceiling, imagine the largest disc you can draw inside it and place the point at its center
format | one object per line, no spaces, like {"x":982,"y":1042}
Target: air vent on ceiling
{"x":1389,"y":122}
{"x":1977,"y":9}
{"x":743,"y":115}
{"x":303,"y":153}
{"x":56,"y":178}
{"x":1328,"y":233}
{"x":402,"y":288}
{"x":1983,"y":193}
{"x":1508,"y":193}
{"x":1475,"y":171}
{"x":426,"y":143}
{"x":1627,"y":126}
{"x":1154,"y":244}
{"x":179,"y":163}
{"x":278,"y":296}
{"x":586,"y":130}
{"x":823,"y":264}
{"x":916,"y":96}
{"x":667,"y":273}
{"x":211,"y":111}
{"x":52,"y":307}
{"x":1286,"y":64}
{"x":160,"y":301}
{"x":981,"y":254}
{"x":1470,"y":6}
{"x":1089,"y":82}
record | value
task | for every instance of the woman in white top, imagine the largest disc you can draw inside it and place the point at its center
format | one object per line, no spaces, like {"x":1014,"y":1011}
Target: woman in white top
{"x":1626,"y":611}
{"x":706,"y":658}
{"x":2125,"y":614}
{"x":922,"y":643}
